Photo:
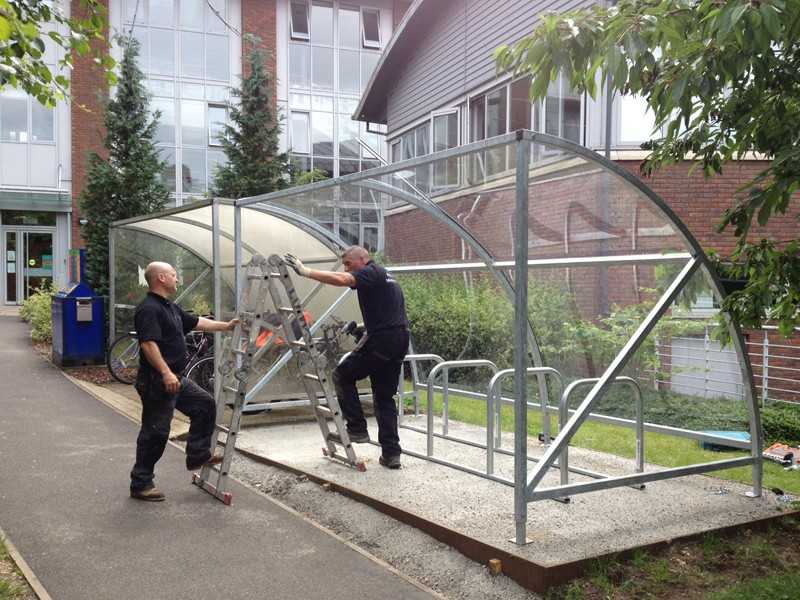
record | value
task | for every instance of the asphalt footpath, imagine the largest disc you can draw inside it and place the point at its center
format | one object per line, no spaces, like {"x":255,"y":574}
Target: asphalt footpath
{"x":64,"y":504}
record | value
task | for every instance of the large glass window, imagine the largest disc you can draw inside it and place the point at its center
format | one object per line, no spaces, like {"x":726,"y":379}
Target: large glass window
{"x":16,"y":108}
{"x":329,"y":66}
{"x":299,"y":133}
{"x":445,"y":136}
{"x":14,"y":116}
{"x":185,"y":55}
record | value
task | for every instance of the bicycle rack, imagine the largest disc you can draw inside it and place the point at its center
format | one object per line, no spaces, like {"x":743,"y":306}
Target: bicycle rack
{"x":563,"y":416}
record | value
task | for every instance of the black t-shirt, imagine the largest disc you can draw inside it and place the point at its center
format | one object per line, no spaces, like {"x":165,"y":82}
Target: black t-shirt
{"x":165,"y":323}
{"x":380,"y":298}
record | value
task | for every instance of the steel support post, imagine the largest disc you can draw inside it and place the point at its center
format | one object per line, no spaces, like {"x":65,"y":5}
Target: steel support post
{"x":112,"y":276}
{"x":217,"y":259}
{"x":237,"y":253}
{"x":521,"y":341}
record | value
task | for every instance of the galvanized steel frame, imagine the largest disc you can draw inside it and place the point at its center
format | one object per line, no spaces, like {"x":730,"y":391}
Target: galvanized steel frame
{"x":526,"y":487}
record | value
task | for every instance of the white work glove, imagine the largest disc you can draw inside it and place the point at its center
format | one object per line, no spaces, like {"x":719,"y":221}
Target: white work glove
{"x":297,"y":265}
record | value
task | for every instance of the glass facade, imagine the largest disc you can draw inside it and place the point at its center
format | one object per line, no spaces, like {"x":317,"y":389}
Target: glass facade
{"x":185,"y":55}
{"x":333,"y":50}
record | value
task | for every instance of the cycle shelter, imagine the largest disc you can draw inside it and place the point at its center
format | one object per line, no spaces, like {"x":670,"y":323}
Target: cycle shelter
{"x":555,"y":302}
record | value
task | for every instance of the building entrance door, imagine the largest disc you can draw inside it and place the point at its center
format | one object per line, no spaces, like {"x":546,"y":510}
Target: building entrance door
{"x":28,"y":262}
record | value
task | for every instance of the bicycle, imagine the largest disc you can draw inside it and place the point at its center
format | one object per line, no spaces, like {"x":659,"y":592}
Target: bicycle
{"x":123,"y":358}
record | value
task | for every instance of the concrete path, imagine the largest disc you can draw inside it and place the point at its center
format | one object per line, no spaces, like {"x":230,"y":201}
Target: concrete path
{"x":64,"y":463}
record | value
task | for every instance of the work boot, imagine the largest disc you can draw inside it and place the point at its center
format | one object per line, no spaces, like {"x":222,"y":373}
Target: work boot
{"x":355,"y":438}
{"x":390,"y":462}
{"x":151,"y":494}
{"x":214,"y":460}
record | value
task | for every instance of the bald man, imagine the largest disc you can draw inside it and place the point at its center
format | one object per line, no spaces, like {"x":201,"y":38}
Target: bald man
{"x":380,"y":357}
{"x":161,"y":327}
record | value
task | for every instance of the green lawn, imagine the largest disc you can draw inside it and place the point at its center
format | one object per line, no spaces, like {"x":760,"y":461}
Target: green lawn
{"x":782,"y":586}
{"x":660,"y":449}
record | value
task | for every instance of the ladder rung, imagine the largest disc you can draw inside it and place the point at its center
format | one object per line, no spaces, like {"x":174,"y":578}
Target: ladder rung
{"x":299,"y":343}
{"x":324,"y":411}
{"x":273,"y":274}
{"x":230,"y":389}
{"x":287,"y":309}
{"x":311,"y":376}
{"x":336,"y":438}
{"x":223,"y":428}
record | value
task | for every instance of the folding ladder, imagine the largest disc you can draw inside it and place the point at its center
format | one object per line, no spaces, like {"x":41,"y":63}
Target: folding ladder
{"x":313,"y":364}
{"x":242,"y":351}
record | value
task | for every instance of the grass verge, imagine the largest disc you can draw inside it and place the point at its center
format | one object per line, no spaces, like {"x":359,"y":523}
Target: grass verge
{"x":660,"y":449}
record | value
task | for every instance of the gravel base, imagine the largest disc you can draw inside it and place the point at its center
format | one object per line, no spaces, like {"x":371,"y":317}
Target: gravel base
{"x":407,"y":549}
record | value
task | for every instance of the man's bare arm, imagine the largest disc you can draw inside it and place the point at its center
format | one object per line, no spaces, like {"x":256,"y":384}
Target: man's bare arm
{"x":204,"y":324}
{"x":153,"y":356}
{"x":340,"y":279}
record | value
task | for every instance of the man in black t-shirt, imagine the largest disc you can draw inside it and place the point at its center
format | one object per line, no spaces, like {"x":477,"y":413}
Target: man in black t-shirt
{"x":161,"y":326}
{"x":380,"y":357}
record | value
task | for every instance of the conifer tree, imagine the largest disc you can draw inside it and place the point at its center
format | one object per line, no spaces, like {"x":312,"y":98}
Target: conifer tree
{"x":130,"y":181}
{"x":250,"y":140}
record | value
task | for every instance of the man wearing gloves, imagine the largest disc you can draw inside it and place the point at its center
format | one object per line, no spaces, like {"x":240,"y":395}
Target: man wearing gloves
{"x":380,"y":357}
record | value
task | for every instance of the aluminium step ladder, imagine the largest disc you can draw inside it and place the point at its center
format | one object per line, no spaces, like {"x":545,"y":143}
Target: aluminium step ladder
{"x":313,"y":365}
{"x":242,"y":350}
{"x":239,"y":353}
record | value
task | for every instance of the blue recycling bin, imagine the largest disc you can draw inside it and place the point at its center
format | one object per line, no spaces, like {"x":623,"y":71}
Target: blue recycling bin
{"x":78,"y":326}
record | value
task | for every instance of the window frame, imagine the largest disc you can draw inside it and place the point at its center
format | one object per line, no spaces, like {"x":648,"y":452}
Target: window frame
{"x":299,"y":35}
{"x":309,"y":153}
{"x":366,"y":42}
{"x":209,"y":106}
{"x":446,"y":112}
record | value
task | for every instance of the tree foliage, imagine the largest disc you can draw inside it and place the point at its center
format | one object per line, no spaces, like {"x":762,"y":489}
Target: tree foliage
{"x":24,"y":25}
{"x":255,"y":165}
{"x":723,"y":81}
{"x":130,"y":181}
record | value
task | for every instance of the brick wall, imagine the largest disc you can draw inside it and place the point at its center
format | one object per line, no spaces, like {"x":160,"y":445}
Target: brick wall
{"x":259,"y":18}
{"x":88,"y":87}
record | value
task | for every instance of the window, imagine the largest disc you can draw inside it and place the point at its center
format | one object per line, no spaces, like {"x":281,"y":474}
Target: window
{"x":193,"y":170}
{"x":349,"y":71}
{"x":322,"y":24}
{"x":322,"y":67}
{"x":349,"y":35}
{"x":299,"y":133}
{"x":371,"y":28}
{"x":193,"y":122}
{"x":322,"y":133}
{"x":192,"y":14}
{"x":162,"y":51}
{"x":299,"y":66}
{"x":329,"y":68}
{"x":165,"y":132}
{"x":636,"y":120}
{"x":217,"y":64}
{"x":217,"y":117}
{"x":562,"y":111}
{"x":185,"y":55}
{"x":162,"y":12}
{"x":299,"y":21}
{"x":15,"y":108}
{"x":445,"y":135}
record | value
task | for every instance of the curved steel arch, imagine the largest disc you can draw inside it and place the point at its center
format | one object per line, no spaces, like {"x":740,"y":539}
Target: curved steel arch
{"x":710,"y":275}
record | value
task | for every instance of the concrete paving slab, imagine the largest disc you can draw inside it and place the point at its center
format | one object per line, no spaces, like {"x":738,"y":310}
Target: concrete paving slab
{"x":591,"y":525}
{"x":64,"y":463}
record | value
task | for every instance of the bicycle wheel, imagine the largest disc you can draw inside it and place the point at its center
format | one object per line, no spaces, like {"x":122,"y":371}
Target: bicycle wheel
{"x":202,"y":373}
{"x":123,"y":358}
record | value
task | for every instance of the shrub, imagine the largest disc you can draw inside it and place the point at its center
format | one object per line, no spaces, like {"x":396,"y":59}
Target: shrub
{"x":781,"y":423}
{"x":37,"y":311}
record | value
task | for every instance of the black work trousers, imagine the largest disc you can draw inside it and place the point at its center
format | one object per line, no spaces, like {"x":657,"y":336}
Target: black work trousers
{"x":158,"y":407}
{"x":379,"y":359}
